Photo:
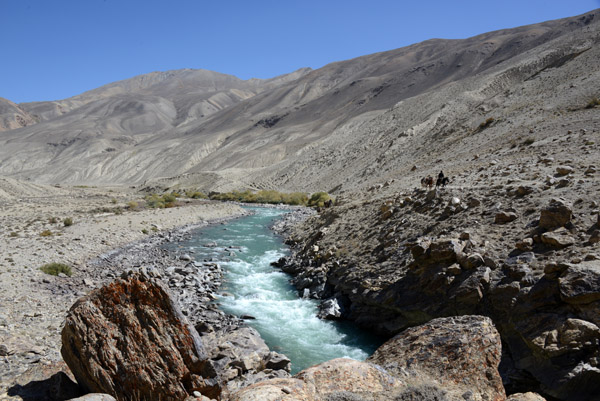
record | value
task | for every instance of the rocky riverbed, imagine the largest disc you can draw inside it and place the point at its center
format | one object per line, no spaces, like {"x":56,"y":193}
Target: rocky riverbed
{"x":105,"y":240}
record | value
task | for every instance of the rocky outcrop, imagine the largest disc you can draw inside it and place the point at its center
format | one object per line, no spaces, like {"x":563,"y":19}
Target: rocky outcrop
{"x":338,"y":379}
{"x":535,"y":277}
{"x":240,"y":356}
{"x":130,"y":340}
{"x":461,"y":354}
{"x":446,"y":359}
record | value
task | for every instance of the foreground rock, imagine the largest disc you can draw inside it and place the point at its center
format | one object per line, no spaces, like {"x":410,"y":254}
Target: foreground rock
{"x":446,"y":359}
{"x":130,"y":340}
{"x":461,"y":353}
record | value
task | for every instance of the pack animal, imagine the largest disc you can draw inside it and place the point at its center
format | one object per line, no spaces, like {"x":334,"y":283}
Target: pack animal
{"x":427,"y":182}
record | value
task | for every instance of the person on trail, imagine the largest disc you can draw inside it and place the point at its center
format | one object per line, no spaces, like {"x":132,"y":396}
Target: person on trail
{"x":440,"y":179}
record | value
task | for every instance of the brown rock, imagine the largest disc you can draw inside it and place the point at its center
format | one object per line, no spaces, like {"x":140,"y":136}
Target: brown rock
{"x":461,"y":353}
{"x":505,"y":217}
{"x":560,"y":238}
{"x":564,"y":170}
{"x":342,"y":374}
{"x":276,"y":390}
{"x":130,"y":340}
{"x":557,"y":214}
{"x":525,"y":244}
{"x":526,"y":397}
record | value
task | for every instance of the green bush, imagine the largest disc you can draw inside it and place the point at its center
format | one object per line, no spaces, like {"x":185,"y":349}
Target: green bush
{"x":195,"y":195}
{"x":318,"y":199}
{"x":113,"y":201}
{"x":46,"y":233}
{"x":158,"y":201}
{"x":68,"y":222}
{"x":56,"y":268}
{"x":144,"y":231}
{"x":262,"y":196}
{"x":132,"y":205}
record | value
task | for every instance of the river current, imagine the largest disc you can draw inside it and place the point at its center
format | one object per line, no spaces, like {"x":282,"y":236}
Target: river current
{"x":245,"y":247}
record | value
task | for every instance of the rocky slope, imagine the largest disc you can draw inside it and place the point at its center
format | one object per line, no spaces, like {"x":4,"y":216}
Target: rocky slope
{"x":518,"y":243}
{"x":348,"y":123}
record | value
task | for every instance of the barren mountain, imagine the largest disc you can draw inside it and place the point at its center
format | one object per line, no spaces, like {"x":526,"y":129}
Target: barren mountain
{"x":13,"y":116}
{"x":350,"y":122}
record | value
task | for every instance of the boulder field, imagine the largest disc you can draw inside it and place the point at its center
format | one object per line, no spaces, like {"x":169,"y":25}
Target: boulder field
{"x":129,"y":340}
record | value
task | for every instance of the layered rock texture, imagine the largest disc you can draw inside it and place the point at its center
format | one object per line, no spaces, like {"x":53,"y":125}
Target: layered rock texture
{"x":129,"y":340}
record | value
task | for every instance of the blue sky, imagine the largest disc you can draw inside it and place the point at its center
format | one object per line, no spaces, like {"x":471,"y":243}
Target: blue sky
{"x":54,"y":49}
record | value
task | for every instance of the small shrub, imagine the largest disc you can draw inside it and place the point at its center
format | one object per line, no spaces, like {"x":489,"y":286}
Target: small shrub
{"x":489,"y":121}
{"x":144,"y":231}
{"x":68,"y":222}
{"x":318,"y":199}
{"x":195,"y":195}
{"x":56,"y":268}
{"x":154,"y":228}
{"x":46,"y":233}
{"x":13,"y":234}
{"x":52,"y":220}
{"x":118,"y":211}
{"x":113,"y":201}
{"x":131,"y":205}
{"x":593,"y":103}
{"x":528,"y":141}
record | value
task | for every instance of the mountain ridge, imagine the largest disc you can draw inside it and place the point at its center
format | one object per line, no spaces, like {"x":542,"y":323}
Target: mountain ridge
{"x":117,"y":134}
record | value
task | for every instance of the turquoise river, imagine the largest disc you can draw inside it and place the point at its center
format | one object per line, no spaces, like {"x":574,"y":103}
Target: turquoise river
{"x":287,"y":323}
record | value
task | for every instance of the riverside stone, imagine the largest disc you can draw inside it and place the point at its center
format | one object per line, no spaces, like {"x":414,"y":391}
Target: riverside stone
{"x":130,"y":340}
{"x":461,"y":353}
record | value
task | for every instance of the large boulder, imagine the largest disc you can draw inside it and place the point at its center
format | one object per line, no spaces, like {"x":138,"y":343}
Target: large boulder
{"x":129,"y":339}
{"x":340,"y":379}
{"x":462,"y":354}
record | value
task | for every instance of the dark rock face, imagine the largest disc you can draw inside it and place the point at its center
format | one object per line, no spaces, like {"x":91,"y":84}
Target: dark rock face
{"x":130,"y":340}
{"x":462,"y":353}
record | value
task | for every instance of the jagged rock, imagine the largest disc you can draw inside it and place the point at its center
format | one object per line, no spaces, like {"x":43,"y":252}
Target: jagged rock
{"x":443,"y":251}
{"x":329,"y":309}
{"x":525,"y":244}
{"x":505,"y":217}
{"x":524,"y":190}
{"x":564,"y":170}
{"x":580,"y":284}
{"x":240,"y":354}
{"x":560,"y":238}
{"x":461,"y":353}
{"x":277,"y":361}
{"x":557,"y":214}
{"x":130,"y":340}
{"x":472,"y":261}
